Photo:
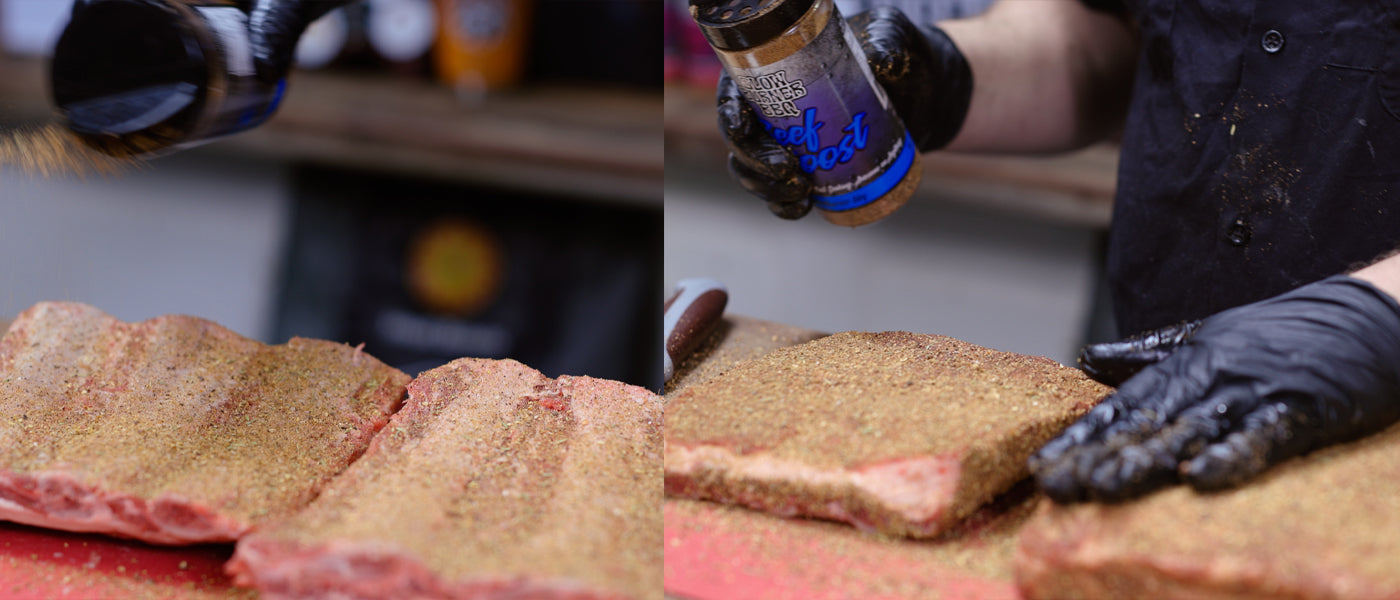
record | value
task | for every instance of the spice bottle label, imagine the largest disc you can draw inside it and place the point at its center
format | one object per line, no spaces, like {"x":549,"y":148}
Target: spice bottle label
{"x":833,"y":116}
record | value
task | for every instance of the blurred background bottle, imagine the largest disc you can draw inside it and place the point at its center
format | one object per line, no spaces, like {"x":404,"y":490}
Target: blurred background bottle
{"x":394,"y":36}
{"x":401,"y":33}
{"x":482,"y":44}
{"x":332,"y":40}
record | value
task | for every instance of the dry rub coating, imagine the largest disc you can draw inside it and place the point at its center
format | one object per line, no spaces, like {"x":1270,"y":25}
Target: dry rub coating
{"x":175,"y":430}
{"x":494,"y":481}
{"x":897,"y":432}
{"x":1325,"y":526}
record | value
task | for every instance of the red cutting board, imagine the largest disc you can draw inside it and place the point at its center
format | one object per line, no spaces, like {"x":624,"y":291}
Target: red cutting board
{"x":40,"y":564}
{"x":716,"y":552}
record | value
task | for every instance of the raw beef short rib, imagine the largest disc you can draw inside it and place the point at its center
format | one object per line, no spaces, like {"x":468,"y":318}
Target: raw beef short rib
{"x":175,"y":430}
{"x":897,"y":432}
{"x":492,"y":482}
{"x":1322,"y":527}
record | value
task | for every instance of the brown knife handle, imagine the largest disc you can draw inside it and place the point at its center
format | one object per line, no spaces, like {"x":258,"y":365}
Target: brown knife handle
{"x":689,"y":317}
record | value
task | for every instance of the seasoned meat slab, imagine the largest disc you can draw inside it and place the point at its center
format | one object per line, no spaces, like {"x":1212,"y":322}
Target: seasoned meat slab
{"x":736,"y":339}
{"x":897,"y":432}
{"x":492,"y":482}
{"x":1325,"y":526}
{"x":175,"y":430}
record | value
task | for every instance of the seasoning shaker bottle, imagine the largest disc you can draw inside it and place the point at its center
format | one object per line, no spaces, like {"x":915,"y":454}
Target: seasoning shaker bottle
{"x":146,"y":77}
{"x":800,"y":67}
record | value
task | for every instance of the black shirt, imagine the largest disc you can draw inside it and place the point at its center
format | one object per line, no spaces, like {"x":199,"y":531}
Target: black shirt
{"x":1261,"y":152}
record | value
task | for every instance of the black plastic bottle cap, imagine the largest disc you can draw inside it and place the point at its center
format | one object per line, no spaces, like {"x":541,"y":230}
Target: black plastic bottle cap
{"x":743,"y":24}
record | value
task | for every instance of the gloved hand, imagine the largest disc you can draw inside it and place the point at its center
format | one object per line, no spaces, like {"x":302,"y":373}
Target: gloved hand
{"x":275,"y":26}
{"x":1250,"y":387}
{"x":1114,"y":362}
{"x":928,"y":82}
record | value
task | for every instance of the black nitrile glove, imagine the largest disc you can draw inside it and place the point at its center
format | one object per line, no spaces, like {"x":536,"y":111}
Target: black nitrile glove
{"x":276,"y":26}
{"x":1113,"y":363}
{"x":1252,"y":386}
{"x":928,"y":82}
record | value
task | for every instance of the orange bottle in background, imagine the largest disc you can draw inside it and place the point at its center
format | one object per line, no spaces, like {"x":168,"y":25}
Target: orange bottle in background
{"x":482,"y":45}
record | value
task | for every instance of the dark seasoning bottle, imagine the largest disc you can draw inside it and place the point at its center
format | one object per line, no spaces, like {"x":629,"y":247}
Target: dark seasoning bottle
{"x":800,"y":67}
{"x":146,"y":77}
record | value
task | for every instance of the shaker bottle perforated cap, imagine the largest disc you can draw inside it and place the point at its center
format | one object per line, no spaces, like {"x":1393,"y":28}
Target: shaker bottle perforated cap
{"x":742,"y":24}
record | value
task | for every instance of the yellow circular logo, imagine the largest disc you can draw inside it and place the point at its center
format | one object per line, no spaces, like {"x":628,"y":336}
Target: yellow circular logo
{"x":455,"y":267}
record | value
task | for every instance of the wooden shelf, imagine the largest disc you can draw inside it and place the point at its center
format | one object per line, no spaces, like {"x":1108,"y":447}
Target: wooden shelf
{"x":596,"y":143}
{"x":604,"y":144}
{"x":1074,"y":188}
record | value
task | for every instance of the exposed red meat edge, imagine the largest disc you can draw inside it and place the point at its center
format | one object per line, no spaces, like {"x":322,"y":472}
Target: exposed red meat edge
{"x":57,"y":501}
{"x":915,"y":493}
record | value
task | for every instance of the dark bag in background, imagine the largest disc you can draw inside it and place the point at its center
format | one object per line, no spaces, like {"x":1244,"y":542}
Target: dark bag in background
{"x":425,"y":273}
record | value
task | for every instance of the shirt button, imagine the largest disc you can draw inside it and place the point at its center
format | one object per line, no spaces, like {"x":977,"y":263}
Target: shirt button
{"x":1239,"y":232}
{"x":1273,"y":41}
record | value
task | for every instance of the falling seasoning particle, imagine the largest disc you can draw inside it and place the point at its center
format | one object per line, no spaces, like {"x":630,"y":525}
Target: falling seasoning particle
{"x":53,"y":150}
{"x":1232,"y":129}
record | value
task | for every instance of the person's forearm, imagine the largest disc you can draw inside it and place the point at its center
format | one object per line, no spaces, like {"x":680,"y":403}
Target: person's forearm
{"x":1048,"y":75}
{"x":1384,"y":274}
